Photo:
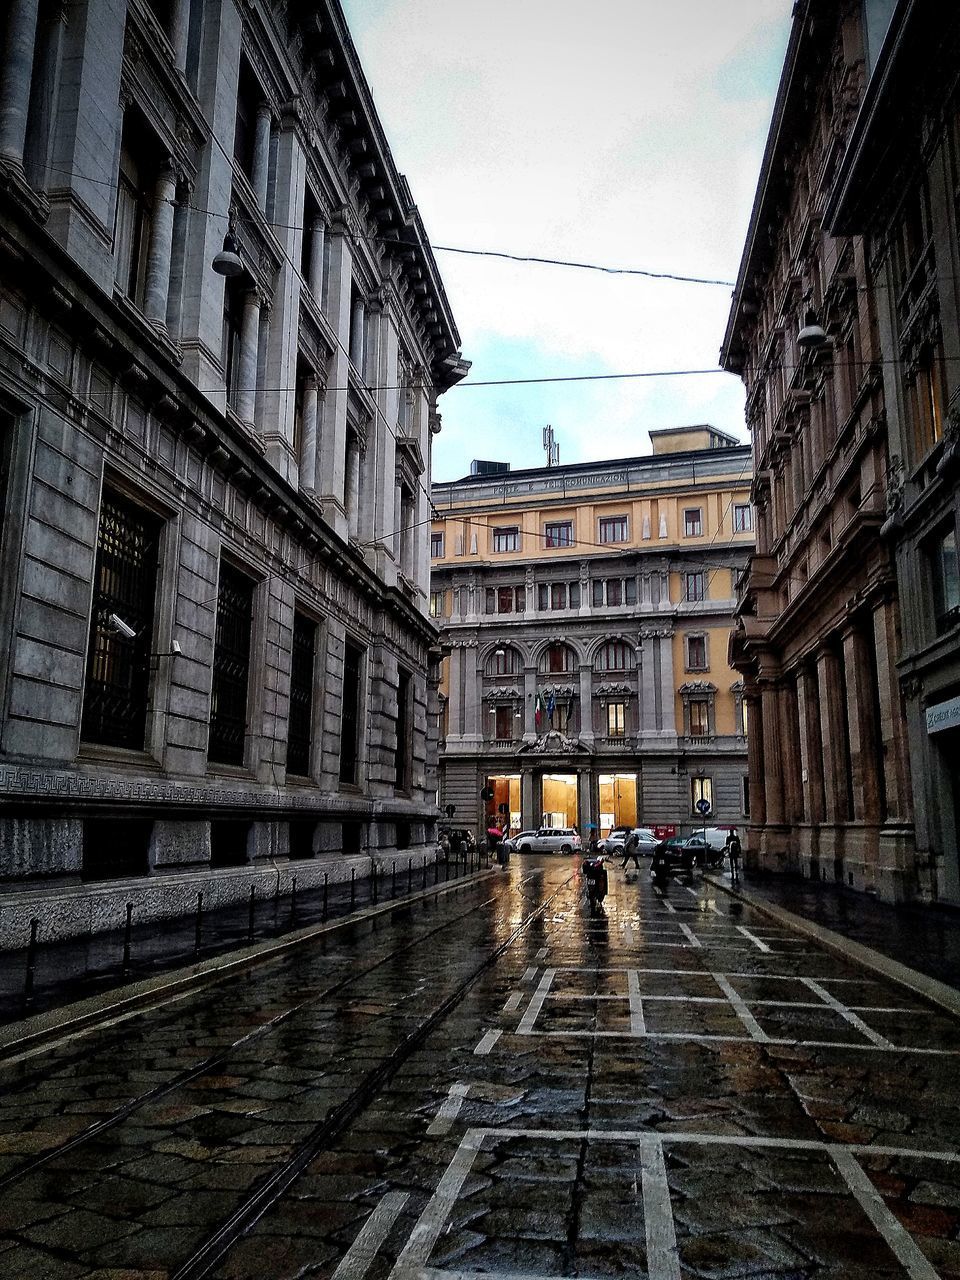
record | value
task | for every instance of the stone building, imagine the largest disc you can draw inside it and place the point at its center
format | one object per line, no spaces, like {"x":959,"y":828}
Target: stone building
{"x":898,"y":185}
{"x":819,"y":634}
{"x":222,"y":338}
{"x":585,"y":611}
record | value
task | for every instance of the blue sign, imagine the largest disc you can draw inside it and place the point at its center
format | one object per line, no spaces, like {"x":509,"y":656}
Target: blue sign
{"x":703,"y":806}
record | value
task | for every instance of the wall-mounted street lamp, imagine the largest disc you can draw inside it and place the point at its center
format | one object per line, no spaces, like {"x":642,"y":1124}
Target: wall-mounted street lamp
{"x":227,"y":262}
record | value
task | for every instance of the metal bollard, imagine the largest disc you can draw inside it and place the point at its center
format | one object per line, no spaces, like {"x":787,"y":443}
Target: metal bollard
{"x":196,"y":936}
{"x":126,"y":939}
{"x":373,"y":883}
{"x":353,"y":887}
{"x":253,"y":902}
{"x":393,"y":886}
{"x":423,"y":877}
{"x":293,"y":898}
{"x":31,"y":965}
{"x":409,"y":875}
{"x":324,"y":916}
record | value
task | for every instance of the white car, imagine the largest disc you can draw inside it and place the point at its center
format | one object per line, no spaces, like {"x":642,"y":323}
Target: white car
{"x":615,"y":841}
{"x":548,"y":840}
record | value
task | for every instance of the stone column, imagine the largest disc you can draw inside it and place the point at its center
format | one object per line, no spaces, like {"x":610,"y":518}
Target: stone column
{"x":530,"y":704}
{"x":357,"y":327}
{"x":893,"y":721}
{"x":333,"y":443}
{"x":260,"y":174}
{"x":861,"y":700}
{"x":647,"y":717}
{"x":352,"y":486}
{"x":156,"y":287}
{"x":528,"y":816}
{"x":833,"y":742}
{"x":398,"y":526}
{"x":586,"y":703}
{"x":308,"y":436}
{"x":668,"y":699}
{"x":317,"y":232}
{"x":16,"y":71}
{"x":245,"y":401}
{"x":179,"y":32}
{"x":755,"y":757}
{"x":772,"y":757}
{"x":811,"y":747}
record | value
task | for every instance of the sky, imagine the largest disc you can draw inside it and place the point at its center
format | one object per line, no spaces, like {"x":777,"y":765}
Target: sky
{"x":625,"y":133}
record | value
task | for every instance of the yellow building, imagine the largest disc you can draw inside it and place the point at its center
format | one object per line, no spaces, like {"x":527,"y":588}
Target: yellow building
{"x":584,"y":613}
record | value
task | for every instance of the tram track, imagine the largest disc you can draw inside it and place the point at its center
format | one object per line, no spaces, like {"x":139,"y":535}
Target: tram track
{"x":273,"y":1184}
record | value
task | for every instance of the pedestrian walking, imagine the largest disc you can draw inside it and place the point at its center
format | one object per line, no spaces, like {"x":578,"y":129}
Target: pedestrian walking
{"x":734,"y":850}
{"x":631,"y":849}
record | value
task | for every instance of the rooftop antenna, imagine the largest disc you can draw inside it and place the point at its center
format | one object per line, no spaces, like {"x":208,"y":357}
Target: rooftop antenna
{"x":550,"y":447}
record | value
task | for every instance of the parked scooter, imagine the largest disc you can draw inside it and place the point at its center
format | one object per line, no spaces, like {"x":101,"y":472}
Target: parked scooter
{"x":595,"y":880}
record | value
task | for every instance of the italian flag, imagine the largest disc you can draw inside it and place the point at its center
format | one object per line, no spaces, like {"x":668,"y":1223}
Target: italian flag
{"x":538,"y":711}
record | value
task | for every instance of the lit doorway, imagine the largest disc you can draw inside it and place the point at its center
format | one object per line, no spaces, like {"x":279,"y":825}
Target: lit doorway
{"x":618,"y":801}
{"x":559,"y":800}
{"x":504,"y":807}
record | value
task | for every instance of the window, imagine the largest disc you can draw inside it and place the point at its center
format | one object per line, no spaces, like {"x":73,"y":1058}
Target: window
{"x":504,"y":662}
{"x":231,"y":667}
{"x":574,"y":595}
{"x":614,"y":591}
{"x":629,"y":591}
{"x":436,"y":545}
{"x":506,"y":539}
{"x":558,"y":657}
{"x":693,"y":587}
{"x":401,"y":755}
{"x":946,"y":579}
{"x":249,"y":97}
{"x":745,"y":795}
{"x":115,"y":848}
{"x":559,"y":534}
{"x":614,"y":655}
{"x":300,"y":724}
{"x":233,"y":303}
{"x":505,"y":600}
{"x":696,"y":653}
{"x":350,"y":713}
{"x":699,"y":718}
{"x":597,"y":590}
{"x":692,"y":522}
{"x":925,"y":397}
{"x":613,"y":529}
{"x":742,"y":517}
{"x":503,"y":722}
{"x":118,"y":666}
{"x":701,"y":789}
{"x":558,"y":595}
{"x":616,"y":719}
{"x":436,"y":604}
{"x":131,"y":236}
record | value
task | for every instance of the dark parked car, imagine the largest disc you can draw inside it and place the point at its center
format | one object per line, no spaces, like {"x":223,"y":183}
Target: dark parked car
{"x":683,"y":853}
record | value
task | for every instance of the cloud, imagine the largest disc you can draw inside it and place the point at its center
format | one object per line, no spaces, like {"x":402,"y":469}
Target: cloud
{"x":631,"y":137}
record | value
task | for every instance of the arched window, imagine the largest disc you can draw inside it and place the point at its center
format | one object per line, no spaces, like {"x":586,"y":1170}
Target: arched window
{"x":615,"y":655}
{"x":504,"y":661}
{"x":558,"y":657}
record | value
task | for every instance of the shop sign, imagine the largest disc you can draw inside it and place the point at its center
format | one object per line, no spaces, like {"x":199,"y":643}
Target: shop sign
{"x":944,"y":715}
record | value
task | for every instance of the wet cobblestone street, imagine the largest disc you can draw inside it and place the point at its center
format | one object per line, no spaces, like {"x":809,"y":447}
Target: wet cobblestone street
{"x":497,"y":1082}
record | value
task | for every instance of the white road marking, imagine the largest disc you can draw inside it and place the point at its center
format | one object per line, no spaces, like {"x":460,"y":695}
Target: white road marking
{"x":710,"y":906}
{"x":662,"y":1259}
{"x":536,"y":1003}
{"x":628,"y":935}
{"x":356,"y":1262}
{"x":449,"y":1108}
{"x":665,"y":902}
{"x":638,"y":1026}
{"x":514,"y":1001}
{"x":437,"y":1209}
{"x":740,"y":1008}
{"x":873,"y":1036}
{"x":530,"y":974}
{"x":541,"y":954}
{"x":757,"y":942}
{"x":902,"y":1244}
{"x":689,"y":935}
{"x":487,"y":1042}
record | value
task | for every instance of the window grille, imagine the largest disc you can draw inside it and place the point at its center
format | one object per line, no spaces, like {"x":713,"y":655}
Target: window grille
{"x":231,"y":667}
{"x":616,"y":719}
{"x":401,"y":758}
{"x":118,"y":667}
{"x":300,"y":723}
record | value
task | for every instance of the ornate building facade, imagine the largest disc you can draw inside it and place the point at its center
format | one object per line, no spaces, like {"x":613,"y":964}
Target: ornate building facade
{"x":585,"y":612}
{"x":899,"y":187}
{"x":819,"y":638}
{"x":222,"y":339}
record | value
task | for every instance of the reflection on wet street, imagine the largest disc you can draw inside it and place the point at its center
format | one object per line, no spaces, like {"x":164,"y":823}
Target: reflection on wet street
{"x":497,"y":1081}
